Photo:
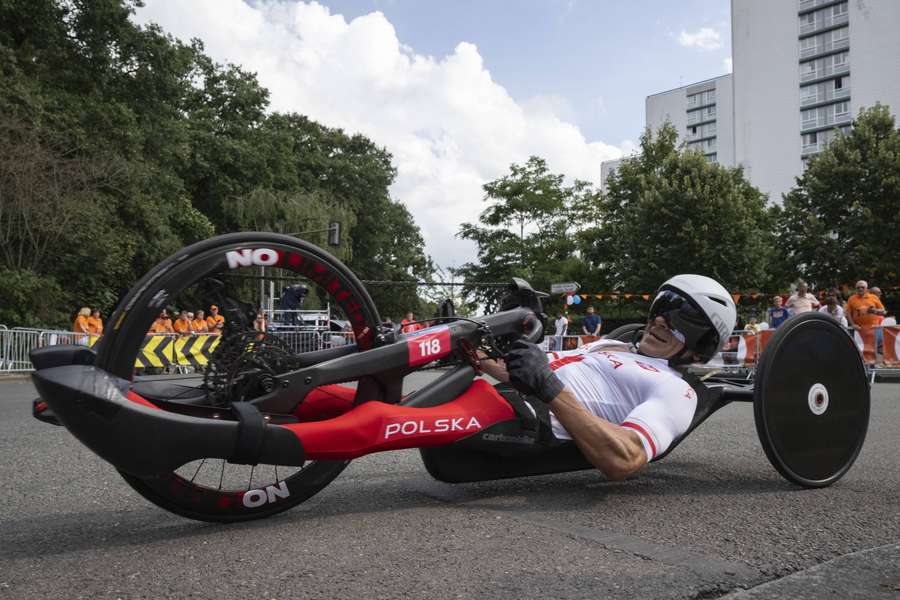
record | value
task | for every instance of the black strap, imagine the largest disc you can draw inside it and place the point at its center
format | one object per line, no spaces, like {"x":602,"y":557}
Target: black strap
{"x":251,"y":434}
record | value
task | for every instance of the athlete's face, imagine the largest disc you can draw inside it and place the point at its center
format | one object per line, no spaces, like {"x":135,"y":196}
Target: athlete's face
{"x":659,"y":341}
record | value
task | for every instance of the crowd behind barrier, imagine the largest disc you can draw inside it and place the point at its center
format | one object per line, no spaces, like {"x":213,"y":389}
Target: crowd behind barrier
{"x":192,"y":352}
{"x":744,"y":348}
{"x":175,"y":352}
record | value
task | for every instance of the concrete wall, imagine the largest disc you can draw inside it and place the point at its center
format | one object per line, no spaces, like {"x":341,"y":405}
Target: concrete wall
{"x":874,"y":54}
{"x":765,"y":54}
{"x":671,"y":105}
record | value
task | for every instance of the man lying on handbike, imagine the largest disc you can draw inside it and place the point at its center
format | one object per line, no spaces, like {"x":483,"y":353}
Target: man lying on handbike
{"x":623,"y":405}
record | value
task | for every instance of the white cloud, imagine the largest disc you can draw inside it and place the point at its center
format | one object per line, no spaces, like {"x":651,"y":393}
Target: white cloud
{"x":727,"y":64}
{"x":449,"y":125}
{"x":705,"y":38}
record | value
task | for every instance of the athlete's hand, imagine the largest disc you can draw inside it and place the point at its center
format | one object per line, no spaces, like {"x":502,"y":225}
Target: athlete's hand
{"x":530,"y":373}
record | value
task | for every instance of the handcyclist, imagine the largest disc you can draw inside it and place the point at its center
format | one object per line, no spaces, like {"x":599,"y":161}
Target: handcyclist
{"x":623,"y":405}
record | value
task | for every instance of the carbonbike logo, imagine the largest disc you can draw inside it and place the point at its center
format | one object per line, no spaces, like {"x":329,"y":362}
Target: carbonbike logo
{"x":270,"y":495}
{"x":246,"y":257}
{"x":408,"y":428}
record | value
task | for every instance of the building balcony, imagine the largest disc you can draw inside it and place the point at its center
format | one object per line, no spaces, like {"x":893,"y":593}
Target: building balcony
{"x":700,"y":116}
{"x":825,"y":71}
{"x":828,"y":21}
{"x":812,"y":148}
{"x":826,"y":96}
{"x":700,"y":135}
{"x":806,"y":5}
{"x":825,"y":121}
{"x":829,"y":46}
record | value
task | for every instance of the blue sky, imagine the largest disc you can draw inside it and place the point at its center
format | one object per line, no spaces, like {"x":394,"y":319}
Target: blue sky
{"x":459,"y":90}
{"x":603,"y":57}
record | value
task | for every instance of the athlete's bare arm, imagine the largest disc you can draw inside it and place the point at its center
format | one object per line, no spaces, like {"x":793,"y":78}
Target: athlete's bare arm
{"x":616,"y":451}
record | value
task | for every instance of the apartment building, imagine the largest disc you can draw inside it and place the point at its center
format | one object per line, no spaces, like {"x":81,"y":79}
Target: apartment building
{"x":802,"y":70}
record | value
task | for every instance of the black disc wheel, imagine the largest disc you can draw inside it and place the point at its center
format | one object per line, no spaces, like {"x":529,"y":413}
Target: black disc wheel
{"x":313,"y":306}
{"x":811,"y":400}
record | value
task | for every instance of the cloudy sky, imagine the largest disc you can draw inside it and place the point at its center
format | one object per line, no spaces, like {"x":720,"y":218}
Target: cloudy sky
{"x":458,"y":90}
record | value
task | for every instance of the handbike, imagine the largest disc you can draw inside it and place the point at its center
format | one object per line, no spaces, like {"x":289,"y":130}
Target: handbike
{"x":273,"y":420}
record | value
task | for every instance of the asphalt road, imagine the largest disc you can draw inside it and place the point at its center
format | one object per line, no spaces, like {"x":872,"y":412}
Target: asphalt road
{"x":712,"y":519}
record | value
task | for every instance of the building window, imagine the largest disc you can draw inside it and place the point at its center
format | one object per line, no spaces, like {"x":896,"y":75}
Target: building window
{"x":839,"y":9}
{"x":838,"y":83}
{"x":842,"y":109}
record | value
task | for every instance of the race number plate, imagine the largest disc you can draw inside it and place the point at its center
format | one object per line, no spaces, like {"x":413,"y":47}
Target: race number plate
{"x":427,"y":345}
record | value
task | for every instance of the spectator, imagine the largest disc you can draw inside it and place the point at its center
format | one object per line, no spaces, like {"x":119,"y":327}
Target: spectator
{"x":879,"y":332}
{"x":199,"y":324}
{"x":753,"y":325}
{"x":81,"y":325}
{"x":592,"y":323}
{"x":95,"y":323}
{"x":833,"y":308}
{"x":802,"y":301}
{"x":162,"y":324}
{"x":215,"y":318}
{"x":219,"y":328}
{"x":562,"y":327}
{"x":863,"y":308}
{"x":259,"y":324}
{"x":777,"y":314}
{"x":182,"y":324}
{"x":408,"y":324}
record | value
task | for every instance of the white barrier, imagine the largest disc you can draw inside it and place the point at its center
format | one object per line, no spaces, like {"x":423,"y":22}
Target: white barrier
{"x":15,"y":344}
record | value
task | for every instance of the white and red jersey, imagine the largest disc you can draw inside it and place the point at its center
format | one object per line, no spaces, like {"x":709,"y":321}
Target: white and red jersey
{"x":628,"y":389}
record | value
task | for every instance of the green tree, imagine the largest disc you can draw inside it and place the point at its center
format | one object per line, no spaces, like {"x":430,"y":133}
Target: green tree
{"x":528,"y":230}
{"x":839,"y":223}
{"x":671,"y":211}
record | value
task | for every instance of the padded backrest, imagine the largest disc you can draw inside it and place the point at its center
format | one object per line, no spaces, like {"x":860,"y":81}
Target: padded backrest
{"x":709,"y":400}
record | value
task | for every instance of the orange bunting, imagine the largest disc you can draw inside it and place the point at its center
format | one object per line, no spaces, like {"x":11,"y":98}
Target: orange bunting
{"x":736,"y":298}
{"x":754,"y":295}
{"x":584,"y":296}
{"x":599,"y":296}
{"x":613,"y":296}
{"x":627,"y":296}
{"x":645,"y":296}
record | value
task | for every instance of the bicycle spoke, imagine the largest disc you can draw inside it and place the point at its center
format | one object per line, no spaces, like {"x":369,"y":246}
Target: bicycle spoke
{"x":203,"y":462}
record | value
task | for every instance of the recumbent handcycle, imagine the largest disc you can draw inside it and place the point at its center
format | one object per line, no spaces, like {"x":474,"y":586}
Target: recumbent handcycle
{"x":269,"y":425}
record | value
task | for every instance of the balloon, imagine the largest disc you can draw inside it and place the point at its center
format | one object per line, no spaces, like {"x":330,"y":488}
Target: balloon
{"x":576,"y":299}
{"x":569,"y":300}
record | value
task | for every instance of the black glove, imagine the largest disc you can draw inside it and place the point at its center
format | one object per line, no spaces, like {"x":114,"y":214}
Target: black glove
{"x":530,"y":373}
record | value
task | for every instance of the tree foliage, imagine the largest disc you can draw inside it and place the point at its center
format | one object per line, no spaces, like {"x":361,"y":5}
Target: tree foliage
{"x":671,"y":211}
{"x":528,"y":230}
{"x":120,"y":144}
{"x":840,"y":222}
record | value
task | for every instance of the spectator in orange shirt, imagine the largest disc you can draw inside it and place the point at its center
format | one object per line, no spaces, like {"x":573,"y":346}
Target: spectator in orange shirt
{"x":162,"y":324}
{"x":863,"y":309}
{"x":215,"y":318}
{"x":95,"y":323}
{"x":407,"y":325}
{"x":182,"y":324}
{"x":81,"y":325}
{"x":199,"y":324}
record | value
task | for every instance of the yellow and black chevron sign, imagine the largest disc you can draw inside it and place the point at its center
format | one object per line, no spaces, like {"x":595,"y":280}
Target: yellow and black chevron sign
{"x":165,"y":350}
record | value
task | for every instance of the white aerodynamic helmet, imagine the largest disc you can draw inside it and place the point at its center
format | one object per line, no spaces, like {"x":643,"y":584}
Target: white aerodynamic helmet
{"x":699,"y":309}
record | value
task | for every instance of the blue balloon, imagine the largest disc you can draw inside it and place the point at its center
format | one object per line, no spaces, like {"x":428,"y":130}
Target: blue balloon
{"x":576,"y":299}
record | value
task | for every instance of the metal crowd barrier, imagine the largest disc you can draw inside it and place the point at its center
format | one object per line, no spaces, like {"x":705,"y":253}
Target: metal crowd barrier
{"x":183,"y":353}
